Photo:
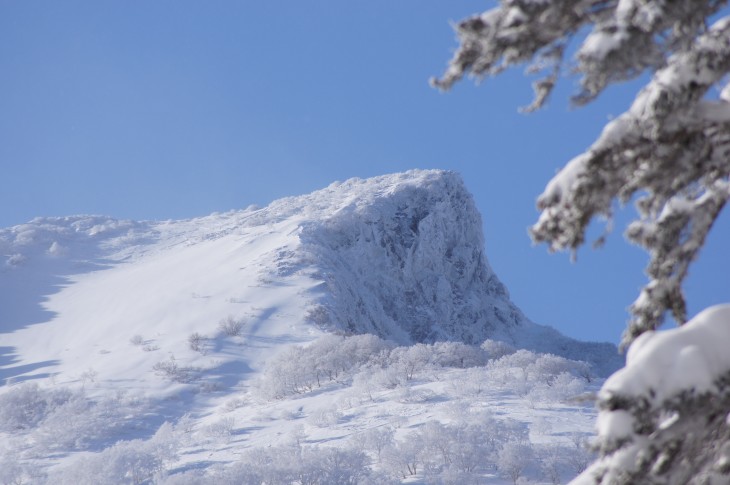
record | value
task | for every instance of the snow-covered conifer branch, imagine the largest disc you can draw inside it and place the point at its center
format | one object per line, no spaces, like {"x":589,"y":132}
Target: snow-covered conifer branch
{"x":671,"y":149}
{"x":663,"y":418}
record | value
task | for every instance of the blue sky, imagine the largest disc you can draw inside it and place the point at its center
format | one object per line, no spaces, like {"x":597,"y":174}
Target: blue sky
{"x":175,"y":109}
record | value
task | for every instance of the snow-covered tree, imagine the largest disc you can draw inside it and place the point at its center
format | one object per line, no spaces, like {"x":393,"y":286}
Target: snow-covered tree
{"x":129,"y":462}
{"x":670,"y":150}
{"x":300,"y":465}
{"x":376,"y":440}
{"x":513,"y":458}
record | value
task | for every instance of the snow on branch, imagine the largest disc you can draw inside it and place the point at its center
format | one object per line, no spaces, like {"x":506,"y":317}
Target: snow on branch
{"x":664,"y":418}
{"x":665,"y":151}
{"x":627,"y":37}
{"x":514,"y":33}
{"x":670,"y":150}
{"x":674,"y":240}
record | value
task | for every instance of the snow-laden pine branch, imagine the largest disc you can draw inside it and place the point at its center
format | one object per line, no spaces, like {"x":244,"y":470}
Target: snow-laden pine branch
{"x":669,"y":151}
{"x":664,"y":418}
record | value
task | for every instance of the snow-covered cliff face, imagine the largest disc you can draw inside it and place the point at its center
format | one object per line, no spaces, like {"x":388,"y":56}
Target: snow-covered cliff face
{"x":409,"y":263}
{"x":403,"y":257}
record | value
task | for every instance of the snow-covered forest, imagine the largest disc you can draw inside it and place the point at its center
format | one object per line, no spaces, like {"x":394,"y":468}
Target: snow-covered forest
{"x":339,"y":410}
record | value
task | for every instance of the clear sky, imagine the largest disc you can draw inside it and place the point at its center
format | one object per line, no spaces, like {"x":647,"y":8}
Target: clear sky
{"x":172,"y":109}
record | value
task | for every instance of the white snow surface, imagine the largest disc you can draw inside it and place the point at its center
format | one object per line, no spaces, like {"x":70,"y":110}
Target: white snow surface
{"x":661,"y":364}
{"x":97,"y":303}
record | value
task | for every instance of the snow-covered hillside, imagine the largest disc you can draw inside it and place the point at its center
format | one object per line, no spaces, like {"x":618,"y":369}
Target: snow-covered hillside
{"x":182,"y":318}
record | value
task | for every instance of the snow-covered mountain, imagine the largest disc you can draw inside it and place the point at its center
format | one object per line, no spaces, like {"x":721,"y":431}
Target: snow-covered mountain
{"x":400,"y":256}
{"x":187,"y":315}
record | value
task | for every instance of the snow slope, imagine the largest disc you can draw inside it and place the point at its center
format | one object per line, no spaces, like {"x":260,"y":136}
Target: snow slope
{"x":79,"y":306}
{"x":110,"y":306}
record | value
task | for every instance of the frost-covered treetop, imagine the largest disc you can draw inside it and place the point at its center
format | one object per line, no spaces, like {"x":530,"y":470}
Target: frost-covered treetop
{"x":670,"y":151}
